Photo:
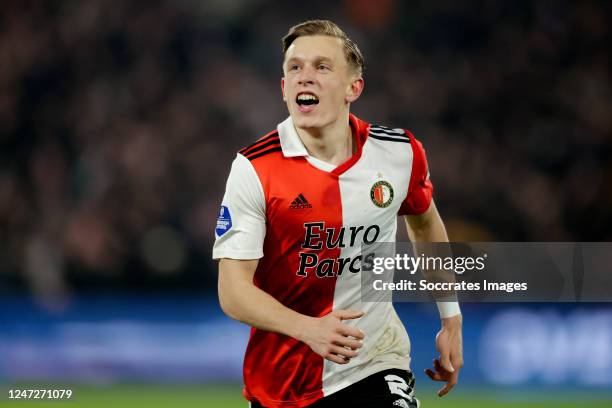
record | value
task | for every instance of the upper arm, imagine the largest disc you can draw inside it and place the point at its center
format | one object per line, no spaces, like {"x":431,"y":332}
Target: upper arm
{"x":232,"y":271}
{"x":233,"y":275}
{"x":241,"y":226}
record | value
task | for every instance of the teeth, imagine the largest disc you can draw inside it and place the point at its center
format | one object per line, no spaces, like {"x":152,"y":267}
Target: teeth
{"x":307,"y":97}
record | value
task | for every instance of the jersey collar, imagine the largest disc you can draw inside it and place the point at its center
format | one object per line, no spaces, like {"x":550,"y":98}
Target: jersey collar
{"x":292,"y":145}
{"x":290,"y":140}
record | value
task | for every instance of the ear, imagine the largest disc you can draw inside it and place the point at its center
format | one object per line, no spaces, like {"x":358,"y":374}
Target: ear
{"x":354,"y":89}
{"x":283,"y":89}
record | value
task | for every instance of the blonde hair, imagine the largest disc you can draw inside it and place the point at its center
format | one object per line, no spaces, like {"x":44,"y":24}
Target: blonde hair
{"x":353,"y":55}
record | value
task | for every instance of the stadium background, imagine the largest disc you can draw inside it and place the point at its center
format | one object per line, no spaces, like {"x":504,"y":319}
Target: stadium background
{"x":118,"y":123}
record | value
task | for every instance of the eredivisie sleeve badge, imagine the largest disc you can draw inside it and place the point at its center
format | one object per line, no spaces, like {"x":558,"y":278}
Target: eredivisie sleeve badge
{"x":381,"y":194}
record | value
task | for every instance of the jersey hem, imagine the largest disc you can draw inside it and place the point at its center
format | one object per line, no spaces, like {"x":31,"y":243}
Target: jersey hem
{"x":311,"y":398}
{"x":403,"y":364}
{"x":241,"y":255}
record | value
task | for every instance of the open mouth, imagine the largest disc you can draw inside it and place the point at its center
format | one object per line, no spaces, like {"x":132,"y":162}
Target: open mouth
{"x":305,"y":99}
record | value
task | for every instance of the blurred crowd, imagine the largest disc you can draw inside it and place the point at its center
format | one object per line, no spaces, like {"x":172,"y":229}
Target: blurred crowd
{"x":119,"y":121}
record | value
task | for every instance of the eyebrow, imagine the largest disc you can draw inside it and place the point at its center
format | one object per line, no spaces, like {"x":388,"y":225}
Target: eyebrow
{"x":316,"y":59}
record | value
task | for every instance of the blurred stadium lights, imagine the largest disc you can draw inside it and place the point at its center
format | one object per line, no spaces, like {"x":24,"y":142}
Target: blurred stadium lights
{"x":188,"y":339}
{"x":118,"y":125}
{"x":523,"y":346}
{"x":163,"y":249}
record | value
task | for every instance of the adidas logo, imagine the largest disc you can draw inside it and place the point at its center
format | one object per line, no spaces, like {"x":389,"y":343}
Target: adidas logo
{"x":299,"y":203}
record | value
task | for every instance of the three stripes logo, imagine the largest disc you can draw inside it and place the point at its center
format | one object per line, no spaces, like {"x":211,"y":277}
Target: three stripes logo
{"x":300,"y":203}
{"x":388,"y":134}
{"x":264,"y":146}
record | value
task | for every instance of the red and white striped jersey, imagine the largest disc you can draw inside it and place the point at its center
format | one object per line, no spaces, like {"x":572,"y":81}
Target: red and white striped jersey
{"x":306,"y":220}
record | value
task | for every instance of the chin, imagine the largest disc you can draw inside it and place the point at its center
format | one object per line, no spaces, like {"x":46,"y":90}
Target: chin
{"x":308,"y":122}
{"x":305,"y":122}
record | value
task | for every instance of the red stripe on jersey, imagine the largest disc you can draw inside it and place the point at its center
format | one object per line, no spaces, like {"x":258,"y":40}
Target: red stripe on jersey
{"x":360,"y":130}
{"x":378,"y":194}
{"x":420,"y":189}
{"x":278,"y":368}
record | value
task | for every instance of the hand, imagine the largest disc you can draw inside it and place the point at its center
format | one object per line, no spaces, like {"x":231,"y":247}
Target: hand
{"x":330,"y":338}
{"x":449,"y":345}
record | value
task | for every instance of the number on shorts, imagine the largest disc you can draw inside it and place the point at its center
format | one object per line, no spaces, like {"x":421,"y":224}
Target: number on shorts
{"x":397,"y":385}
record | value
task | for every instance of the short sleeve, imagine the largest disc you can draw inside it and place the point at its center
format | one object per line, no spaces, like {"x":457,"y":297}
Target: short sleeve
{"x":241,"y":225}
{"x":420,"y":189}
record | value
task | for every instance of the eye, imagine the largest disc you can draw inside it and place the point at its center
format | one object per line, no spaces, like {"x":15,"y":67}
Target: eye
{"x":323,"y":67}
{"x":294,"y":67}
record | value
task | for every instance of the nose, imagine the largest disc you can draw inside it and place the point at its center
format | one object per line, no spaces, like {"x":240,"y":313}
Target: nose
{"x":306,"y":76}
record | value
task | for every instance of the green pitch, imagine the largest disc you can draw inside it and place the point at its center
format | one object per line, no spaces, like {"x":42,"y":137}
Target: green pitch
{"x":229,"y":396}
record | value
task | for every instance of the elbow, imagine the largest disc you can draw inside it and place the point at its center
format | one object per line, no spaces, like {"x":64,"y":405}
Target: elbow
{"x":228,"y":303}
{"x":423,"y":231}
{"x":225,"y":303}
{"x":420,"y":230}
{"x":235,"y":279}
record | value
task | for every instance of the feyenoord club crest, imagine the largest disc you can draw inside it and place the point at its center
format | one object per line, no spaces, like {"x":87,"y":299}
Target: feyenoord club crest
{"x":381,"y":194}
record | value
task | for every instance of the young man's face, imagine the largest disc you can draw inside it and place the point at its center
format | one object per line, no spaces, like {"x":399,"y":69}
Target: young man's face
{"x":318,"y":84}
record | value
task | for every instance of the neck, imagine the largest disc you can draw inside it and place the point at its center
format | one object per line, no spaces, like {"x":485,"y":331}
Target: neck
{"x":332,"y":143}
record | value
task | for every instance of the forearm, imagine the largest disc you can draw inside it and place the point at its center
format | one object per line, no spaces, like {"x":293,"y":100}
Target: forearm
{"x":426,"y":232}
{"x":242,"y":300}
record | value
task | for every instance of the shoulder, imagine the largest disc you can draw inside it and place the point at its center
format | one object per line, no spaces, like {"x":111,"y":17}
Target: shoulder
{"x":397,"y":141}
{"x":395,"y":135}
{"x":388,"y":134}
{"x":264,"y":146}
